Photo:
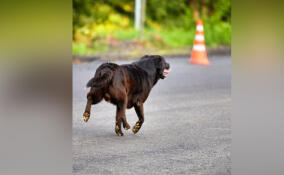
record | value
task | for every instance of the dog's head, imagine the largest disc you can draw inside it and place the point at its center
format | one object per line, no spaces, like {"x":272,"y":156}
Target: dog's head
{"x":162,"y":67}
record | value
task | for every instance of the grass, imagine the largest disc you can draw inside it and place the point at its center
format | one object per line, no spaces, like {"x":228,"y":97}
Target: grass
{"x":126,"y":34}
{"x":178,"y":37}
{"x":161,"y":40}
{"x":82,"y":49}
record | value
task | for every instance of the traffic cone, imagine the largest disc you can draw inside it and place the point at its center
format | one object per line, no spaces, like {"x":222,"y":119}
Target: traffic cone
{"x":198,"y":54}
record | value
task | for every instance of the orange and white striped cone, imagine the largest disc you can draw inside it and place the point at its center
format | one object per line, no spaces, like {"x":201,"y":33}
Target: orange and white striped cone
{"x":198,"y":54}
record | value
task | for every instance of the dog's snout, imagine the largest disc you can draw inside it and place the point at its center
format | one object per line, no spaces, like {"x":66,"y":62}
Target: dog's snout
{"x":167,"y":65}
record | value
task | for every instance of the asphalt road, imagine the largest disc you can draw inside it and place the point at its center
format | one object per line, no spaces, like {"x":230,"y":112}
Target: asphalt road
{"x":187,"y":128}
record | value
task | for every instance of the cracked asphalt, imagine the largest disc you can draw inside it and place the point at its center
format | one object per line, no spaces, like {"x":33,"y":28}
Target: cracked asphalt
{"x":187,"y":128}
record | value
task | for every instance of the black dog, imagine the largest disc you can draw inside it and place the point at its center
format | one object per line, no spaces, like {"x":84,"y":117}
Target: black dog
{"x":126,"y":86}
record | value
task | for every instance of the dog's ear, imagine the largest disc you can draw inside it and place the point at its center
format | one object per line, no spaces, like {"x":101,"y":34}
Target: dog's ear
{"x":159,"y":60}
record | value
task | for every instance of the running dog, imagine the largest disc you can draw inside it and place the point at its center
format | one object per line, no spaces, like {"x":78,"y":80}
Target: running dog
{"x":126,"y":86}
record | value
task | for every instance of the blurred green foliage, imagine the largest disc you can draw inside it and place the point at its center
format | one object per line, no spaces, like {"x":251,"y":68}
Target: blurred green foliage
{"x":106,"y":25}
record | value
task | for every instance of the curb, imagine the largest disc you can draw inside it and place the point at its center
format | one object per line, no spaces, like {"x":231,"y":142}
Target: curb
{"x":76,"y":59}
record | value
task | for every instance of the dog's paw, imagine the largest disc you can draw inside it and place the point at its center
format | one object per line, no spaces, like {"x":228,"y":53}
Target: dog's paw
{"x":136,"y":128}
{"x":126,"y":127}
{"x":120,"y":134}
{"x":118,"y":131}
{"x":86,"y":116}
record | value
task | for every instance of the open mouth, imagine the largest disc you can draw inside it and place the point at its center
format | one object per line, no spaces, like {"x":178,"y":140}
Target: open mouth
{"x":166,"y":72}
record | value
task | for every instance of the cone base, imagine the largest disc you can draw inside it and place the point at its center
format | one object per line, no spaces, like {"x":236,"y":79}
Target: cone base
{"x":203,"y":62}
{"x":199,"y":58}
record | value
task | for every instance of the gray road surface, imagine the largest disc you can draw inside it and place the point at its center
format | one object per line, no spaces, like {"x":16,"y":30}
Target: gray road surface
{"x":187,"y":128}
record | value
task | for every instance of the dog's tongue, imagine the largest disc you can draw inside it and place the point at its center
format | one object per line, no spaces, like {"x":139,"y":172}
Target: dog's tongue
{"x":166,"y":71}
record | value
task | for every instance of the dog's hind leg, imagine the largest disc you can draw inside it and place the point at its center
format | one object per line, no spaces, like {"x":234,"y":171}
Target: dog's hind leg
{"x":140,"y":113}
{"x":87,"y":112}
{"x":93,"y":97}
{"x":120,"y":117}
{"x":119,"y":113}
{"x":124,"y":121}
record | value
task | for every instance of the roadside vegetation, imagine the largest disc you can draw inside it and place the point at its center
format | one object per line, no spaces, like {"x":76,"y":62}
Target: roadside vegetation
{"x":102,"y":26}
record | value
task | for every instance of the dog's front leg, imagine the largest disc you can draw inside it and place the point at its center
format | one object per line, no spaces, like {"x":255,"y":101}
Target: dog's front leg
{"x":140,"y":113}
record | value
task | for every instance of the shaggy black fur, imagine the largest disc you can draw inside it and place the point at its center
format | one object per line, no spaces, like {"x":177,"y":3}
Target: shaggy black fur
{"x":126,"y":86}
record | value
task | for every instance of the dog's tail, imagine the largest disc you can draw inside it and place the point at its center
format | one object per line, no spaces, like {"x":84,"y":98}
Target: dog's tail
{"x":100,"y":81}
{"x":103,"y":75}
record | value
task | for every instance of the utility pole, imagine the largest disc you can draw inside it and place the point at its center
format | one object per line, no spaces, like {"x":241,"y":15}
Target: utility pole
{"x":140,"y":7}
